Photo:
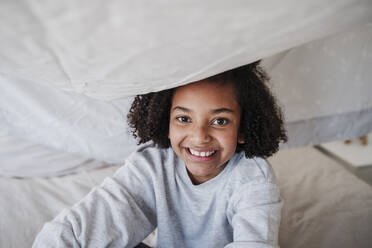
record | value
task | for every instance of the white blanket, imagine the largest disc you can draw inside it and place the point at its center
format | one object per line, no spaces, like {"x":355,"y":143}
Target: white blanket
{"x":111,"y":49}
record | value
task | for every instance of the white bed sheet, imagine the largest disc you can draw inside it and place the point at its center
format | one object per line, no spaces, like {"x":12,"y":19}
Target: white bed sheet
{"x":22,"y":158}
{"x":325,"y":205}
{"x":112,"y":49}
{"x":27,"y":203}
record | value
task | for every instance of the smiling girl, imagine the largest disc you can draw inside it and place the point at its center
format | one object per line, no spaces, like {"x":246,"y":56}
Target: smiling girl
{"x":200,"y":176}
{"x":203,"y":128}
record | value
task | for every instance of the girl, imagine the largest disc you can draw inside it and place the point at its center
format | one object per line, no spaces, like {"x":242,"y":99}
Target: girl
{"x":199,"y":176}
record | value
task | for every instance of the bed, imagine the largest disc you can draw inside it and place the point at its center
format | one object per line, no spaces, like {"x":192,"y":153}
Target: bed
{"x":69,"y":70}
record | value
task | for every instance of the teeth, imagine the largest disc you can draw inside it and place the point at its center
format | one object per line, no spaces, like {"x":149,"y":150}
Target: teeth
{"x":201,"y":154}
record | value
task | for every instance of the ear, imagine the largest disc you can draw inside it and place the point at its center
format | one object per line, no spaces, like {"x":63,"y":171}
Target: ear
{"x":241,"y":139}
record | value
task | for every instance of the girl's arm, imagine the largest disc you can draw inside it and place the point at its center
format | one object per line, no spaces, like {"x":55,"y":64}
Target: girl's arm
{"x":118,"y":213}
{"x":254,"y":214}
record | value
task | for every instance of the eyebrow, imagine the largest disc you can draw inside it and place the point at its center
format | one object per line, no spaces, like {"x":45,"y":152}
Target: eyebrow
{"x":214,"y":111}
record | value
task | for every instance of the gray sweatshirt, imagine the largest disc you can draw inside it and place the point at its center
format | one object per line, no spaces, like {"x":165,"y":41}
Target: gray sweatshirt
{"x":240,"y":207}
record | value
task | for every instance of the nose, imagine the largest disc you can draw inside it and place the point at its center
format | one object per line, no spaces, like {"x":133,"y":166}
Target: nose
{"x":200,"y":134}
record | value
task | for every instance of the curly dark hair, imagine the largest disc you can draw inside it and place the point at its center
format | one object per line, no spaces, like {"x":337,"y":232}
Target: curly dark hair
{"x":262,"y":121}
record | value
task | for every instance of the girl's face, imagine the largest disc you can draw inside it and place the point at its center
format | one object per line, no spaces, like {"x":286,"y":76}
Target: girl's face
{"x":204,"y":127}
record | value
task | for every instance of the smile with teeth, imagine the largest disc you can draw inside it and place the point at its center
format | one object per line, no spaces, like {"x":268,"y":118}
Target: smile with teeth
{"x":201,"y":154}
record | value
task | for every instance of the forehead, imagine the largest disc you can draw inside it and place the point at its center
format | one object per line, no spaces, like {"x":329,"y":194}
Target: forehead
{"x":206,"y":94}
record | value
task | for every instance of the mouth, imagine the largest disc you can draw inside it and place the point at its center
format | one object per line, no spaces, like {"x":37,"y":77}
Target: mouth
{"x":203,"y":155}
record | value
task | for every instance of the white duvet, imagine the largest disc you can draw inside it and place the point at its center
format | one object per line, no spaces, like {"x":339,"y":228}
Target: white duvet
{"x":111,"y":49}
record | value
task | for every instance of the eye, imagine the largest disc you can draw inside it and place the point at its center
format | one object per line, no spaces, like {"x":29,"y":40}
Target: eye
{"x":183,"y":119}
{"x":220,"y":121}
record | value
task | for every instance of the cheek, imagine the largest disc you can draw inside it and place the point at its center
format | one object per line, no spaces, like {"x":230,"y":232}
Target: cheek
{"x":175,"y":134}
{"x":229,"y":138}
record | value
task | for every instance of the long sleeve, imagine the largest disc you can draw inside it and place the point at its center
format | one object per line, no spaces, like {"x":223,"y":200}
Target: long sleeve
{"x":254,"y":214}
{"x":118,"y":213}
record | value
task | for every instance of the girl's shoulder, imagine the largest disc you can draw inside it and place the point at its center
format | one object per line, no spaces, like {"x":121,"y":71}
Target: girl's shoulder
{"x":149,"y":155}
{"x":252,"y":170}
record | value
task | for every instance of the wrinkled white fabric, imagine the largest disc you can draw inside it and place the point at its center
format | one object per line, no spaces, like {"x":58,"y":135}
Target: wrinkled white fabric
{"x":325,"y":77}
{"x":110,"y":49}
{"x":64,"y":121}
{"x":325,"y":87}
{"x":22,"y":158}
